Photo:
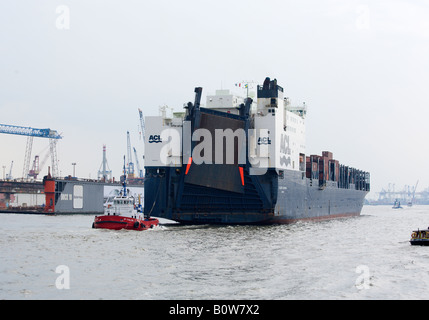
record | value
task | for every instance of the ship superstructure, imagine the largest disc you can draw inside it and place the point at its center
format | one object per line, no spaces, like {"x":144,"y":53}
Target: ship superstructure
{"x":238,"y":162}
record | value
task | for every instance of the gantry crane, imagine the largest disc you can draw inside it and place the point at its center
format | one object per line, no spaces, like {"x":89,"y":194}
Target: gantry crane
{"x":130,"y":158}
{"x":139,"y":170}
{"x":9,"y":175}
{"x":52,"y":135}
{"x":142,"y":132}
{"x":35,"y":169}
{"x":104,"y":173}
{"x":141,"y":122}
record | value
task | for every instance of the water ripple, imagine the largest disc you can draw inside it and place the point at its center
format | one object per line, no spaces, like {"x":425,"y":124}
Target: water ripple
{"x":305,"y":260}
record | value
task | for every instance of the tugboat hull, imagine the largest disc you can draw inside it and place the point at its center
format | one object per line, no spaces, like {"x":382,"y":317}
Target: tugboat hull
{"x":419,"y":242}
{"x":120,"y":222}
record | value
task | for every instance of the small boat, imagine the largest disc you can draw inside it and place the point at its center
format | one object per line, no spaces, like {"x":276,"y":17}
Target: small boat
{"x":124,"y":213}
{"x":420,"y":238}
{"x":397,"y":204}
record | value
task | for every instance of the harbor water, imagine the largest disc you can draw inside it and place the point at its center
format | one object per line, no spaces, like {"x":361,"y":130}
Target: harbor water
{"x":365,"y":257}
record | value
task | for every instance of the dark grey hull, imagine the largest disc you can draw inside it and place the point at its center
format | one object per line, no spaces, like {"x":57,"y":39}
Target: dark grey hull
{"x":302,"y":199}
{"x":296,"y":198}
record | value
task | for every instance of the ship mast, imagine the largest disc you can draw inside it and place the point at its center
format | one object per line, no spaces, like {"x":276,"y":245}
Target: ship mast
{"x":246,"y":84}
{"x":125,"y":180}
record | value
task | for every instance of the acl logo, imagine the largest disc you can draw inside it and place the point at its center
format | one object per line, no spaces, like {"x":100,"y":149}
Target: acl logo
{"x":264,"y":140}
{"x":155,"y":139}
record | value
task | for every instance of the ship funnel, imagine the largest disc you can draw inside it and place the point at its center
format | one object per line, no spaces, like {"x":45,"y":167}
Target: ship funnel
{"x":270,"y":89}
{"x":198,"y":92}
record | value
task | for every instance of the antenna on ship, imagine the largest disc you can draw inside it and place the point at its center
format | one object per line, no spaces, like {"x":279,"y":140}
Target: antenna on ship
{"x":245,"y":85}
{"x":125,"y":180}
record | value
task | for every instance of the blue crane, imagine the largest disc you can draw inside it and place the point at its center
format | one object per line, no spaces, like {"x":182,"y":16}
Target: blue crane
{"x":52,"y":135}
{"x":30,"y":132}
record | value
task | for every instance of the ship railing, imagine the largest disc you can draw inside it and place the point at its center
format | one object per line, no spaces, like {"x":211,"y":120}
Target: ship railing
{"x":86,"y":180}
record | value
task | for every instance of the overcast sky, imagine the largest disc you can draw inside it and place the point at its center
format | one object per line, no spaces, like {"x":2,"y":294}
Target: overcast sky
{"x":84,"y":67}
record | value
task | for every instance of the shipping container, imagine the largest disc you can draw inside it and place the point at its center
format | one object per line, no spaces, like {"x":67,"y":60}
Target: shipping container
{"x":327,"y":154}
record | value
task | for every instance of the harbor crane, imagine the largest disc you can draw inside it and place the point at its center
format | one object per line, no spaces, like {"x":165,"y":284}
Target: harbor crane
{"x":142,"y":132}
{"x":130,"y":159}
{"x":52,"y":135}
{"x":9,"y":175}
{"x":35,"y":169}
{"x":414,"y":194}
{"x":141,"y":123}
{"x":140,"y":171}
{"x":104,"y":173}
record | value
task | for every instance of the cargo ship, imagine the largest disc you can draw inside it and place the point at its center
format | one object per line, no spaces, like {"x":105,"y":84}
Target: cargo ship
{"x":244,"y":162}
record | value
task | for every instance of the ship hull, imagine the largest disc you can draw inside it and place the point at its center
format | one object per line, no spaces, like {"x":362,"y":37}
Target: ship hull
{"x":120,"y":222}
{"x":298,"y":199}
{"x":419,"y":242}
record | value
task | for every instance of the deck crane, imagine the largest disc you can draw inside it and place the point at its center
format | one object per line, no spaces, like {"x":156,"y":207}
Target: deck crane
{"x":52,"y":135}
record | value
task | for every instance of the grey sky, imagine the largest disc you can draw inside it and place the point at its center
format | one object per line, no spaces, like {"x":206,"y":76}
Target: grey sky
{"x":362,"y":68}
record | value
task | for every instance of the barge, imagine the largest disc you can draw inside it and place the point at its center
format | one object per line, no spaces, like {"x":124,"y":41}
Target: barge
{"x":61,"y":195}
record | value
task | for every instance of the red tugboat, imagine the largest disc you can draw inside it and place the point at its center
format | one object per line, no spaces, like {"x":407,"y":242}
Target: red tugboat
{"x":123,"y":213}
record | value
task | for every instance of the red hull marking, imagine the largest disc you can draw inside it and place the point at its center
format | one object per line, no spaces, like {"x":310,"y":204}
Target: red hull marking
{"x":188,"y":166}
{"x":241,"y":175}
